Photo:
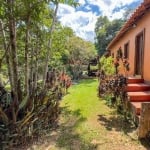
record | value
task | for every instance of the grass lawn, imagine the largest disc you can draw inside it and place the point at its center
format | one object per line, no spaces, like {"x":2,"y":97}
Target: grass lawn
{"x":86,"y":123}
{"x":80,"y":110}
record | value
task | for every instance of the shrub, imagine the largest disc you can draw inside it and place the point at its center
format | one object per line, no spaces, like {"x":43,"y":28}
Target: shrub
{"x":111,"y":85}
{"x":106,"y":65}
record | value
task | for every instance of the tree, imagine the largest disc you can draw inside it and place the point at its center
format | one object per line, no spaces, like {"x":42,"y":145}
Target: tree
{"x":105,"y":31}
{"x":128,"y":13}
{"x":31,"y":40}
{"x":102,"y":21}
{"x":78,"y":52}
{"x":54,"y":15}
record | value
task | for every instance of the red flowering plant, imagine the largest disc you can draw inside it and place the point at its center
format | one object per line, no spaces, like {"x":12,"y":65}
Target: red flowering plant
{"x":126,"y":64}
{"x":112,"y":86}
{"x":121,"y":59}
{"x":65,"y":81}
{"x":116,"y":65}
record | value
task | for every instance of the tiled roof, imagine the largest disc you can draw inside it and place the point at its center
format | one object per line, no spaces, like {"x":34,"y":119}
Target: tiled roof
{"x":138,"y":13}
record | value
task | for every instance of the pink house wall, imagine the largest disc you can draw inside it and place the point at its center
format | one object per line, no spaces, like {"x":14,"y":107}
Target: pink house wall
{"x":130,"y":36}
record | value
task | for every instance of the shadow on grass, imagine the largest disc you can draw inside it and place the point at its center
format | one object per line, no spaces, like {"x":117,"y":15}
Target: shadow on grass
{"x":145,"y":143}
{"x":68,"y":137}
{"x":118,"y":123}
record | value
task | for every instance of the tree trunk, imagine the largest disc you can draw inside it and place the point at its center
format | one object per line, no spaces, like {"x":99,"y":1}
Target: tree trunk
{"x":13,"y":57}
{"x":7,"y":52}
{"x":49,"y":46}
{"x":26,"y":58}
{"x":31,"y":72}
{"x":36,"y":69}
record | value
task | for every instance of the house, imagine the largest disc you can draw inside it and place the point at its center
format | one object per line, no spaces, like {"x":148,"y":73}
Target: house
{"x":134,"y":39}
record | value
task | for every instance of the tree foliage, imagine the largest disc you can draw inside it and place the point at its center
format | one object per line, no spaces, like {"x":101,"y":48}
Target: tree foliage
{"x":105,"y":31}
{"x":128,"y":13}
{"x":33,"y":45}
{"x":106,"y":65}
{"x":78,"y":53}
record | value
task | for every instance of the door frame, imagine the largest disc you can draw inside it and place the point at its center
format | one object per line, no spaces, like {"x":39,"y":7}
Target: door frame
{"x":142,"y":33}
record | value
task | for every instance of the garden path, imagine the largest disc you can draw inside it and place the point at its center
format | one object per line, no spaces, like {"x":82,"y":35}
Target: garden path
{"x":86,"y":123}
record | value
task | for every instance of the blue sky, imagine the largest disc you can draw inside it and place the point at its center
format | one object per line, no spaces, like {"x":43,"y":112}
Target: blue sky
{"x":83,"y":18}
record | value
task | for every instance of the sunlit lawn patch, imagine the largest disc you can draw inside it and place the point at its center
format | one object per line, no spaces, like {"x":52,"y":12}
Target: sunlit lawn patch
{"x":87,"y":122}
{"x":80,"y":111}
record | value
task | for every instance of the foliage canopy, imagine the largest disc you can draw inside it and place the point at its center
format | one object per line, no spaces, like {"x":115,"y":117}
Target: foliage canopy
{"x":105,"y":31}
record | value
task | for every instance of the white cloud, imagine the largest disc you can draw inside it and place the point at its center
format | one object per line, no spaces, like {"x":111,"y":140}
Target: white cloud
{"x":88,"y":7}
{"x":107,"y":6}
{"x":83,"y":23}
{"x":64,"y":10}
{"x":117,"y":15}
{"x":82,"y":2}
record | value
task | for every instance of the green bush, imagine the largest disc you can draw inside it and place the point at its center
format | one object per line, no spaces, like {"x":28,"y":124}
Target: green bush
{"x":106,"y":64}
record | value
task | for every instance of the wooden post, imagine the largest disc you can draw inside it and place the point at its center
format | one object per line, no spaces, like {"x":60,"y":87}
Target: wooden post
{"x":144,"y":124}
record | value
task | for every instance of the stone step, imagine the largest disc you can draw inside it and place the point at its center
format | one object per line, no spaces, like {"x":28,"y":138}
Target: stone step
{"x":131,"y":80}
{"x":136,"y":107}
{"x":137,"y":87}
{"x":143,"y":96}
{"x":136,"y":111}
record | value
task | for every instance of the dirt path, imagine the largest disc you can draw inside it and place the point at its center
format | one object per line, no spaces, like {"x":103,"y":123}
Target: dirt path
{"x":86,"y":123}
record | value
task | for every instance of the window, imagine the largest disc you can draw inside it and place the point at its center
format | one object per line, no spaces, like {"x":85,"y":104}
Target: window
{"x":126,"y":50}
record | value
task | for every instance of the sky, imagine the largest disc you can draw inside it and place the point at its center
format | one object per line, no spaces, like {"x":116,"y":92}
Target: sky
{"x":83,"y":18}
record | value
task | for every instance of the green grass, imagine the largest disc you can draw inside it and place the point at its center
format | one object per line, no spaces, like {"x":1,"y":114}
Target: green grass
{"x":83,"y":96}
{"x":80,"y":109}
{"x":93,"y":67}
{"x":86,"y":123}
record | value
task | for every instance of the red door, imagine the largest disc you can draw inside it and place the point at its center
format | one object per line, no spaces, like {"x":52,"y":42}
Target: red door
{"x":139,"y":54}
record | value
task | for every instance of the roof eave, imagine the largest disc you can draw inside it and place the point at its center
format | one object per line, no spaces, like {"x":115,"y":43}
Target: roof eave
{"x":135,"y":17}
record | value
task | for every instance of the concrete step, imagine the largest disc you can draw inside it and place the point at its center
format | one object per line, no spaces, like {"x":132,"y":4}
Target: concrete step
{"x":136,"y":107}
{"x":143,"y":96}
{"x":136,"y":111}
{"x":131,"y":80}
{"x":134,"y":87}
